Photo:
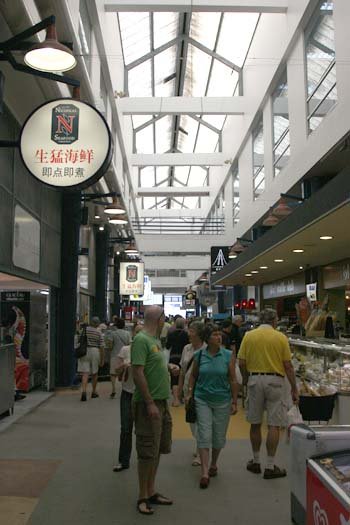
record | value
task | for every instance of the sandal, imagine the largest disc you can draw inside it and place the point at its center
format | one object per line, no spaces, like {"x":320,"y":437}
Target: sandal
{"x":253,"y":467}
{"x":213,"y":471}
{"x":196,"y":462}
{"x":149,"y":510}
{"x":204,"y":482}
{"x":159,"y":499}
{"x":275,"y":473}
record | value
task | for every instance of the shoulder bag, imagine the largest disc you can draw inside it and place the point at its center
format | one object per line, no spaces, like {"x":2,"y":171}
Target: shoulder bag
{"x":191,"y":416}
{"x":82,"y":347}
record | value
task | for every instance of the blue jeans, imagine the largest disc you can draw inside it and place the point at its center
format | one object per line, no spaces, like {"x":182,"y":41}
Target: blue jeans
{"x":212,"y":423}
{"x":126,"y":424}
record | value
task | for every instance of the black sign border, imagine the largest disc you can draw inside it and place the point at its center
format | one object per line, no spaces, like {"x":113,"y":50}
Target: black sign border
{"x":93,"y":178}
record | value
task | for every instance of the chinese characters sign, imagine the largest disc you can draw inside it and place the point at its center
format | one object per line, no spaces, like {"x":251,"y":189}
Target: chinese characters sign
{"x":66,"y":143}
{"x":131,"y":278}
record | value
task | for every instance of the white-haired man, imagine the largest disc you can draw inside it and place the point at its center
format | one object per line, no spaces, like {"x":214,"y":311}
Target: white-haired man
{"x":153,"y":424}
{"x":265,"y":359}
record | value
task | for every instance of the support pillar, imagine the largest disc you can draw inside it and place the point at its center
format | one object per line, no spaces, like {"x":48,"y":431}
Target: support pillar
{"x":102,"y":238}
{"x":67,"y":293}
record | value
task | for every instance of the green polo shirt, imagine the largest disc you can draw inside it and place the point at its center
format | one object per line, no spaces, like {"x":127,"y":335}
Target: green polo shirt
{"x":146,"y":351}
{"x":213,"y":385}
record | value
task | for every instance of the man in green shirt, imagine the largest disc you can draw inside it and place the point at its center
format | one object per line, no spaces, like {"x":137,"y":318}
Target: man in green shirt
{"x":153,"y":424}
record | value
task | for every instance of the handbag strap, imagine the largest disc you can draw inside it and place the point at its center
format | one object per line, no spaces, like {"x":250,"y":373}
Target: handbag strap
{"x":199,"y":365}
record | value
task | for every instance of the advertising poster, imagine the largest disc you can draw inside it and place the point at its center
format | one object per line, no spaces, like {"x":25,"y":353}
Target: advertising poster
{"x":15,"y":312}
{"x":131,"y":278}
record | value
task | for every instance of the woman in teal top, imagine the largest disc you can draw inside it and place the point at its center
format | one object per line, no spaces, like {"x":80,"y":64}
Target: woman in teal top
{"x":216,"y":388}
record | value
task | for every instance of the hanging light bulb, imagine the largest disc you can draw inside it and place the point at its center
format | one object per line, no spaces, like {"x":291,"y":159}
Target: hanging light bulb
{"x":282,"y":209}
{"x":50,"y":55}
{"x":271,"y":220}
{"x":121,"y":219}
{"x":232,"y":254}
{"x":237,"y":247}
{"x":204,"y":277}
{"x":131,"y":249}
{"x":116,"y":208}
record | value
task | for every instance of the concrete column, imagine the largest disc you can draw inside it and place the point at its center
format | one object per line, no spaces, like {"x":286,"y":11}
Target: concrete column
{"x":297,"y":93}
{"x":67,"y":293}
{"x":102,"y":238}
{"x":268,"y":145}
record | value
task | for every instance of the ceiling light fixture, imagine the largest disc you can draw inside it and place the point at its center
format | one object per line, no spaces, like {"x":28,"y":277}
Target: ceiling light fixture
{"x":203,"y":277}
{"x":278,"y":260}
{"x":263,"y":267}
{"x":301,"y":267}
{"x":326,"y":237}
{"x":298,"y":250}
{"x":121,"y":219}
{"x":131,"y":249}
{"x":237,"y":248}
{"x":101,"y":228}
{"x":50,"y":55}
{"x":248,"y":274}
{"x":116,"y":208}
{"x":254,"y":271}
{"x":271,"y":220}
{"x":282,"y":209}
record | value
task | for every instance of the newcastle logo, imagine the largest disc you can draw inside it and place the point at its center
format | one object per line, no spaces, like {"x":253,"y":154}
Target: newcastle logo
{"x":65,"y":124}
{"x":220,"y":261}
{"x":131,"y":273}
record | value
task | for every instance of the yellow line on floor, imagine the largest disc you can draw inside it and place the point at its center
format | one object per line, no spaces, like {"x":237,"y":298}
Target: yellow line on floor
{"x":16,"y":511}
{"x":238,"y":427}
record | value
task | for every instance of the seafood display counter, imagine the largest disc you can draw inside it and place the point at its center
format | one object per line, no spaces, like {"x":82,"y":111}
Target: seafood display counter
{"x":323,"y":367}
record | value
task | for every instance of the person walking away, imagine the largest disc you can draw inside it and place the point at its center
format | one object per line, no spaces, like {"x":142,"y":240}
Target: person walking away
{"x":94,"y":357}
{"x":226,"y":335}
{"x":196,"y":335}
{"x":123,"y":371}
{"x":215,"y":395}
{"x":119,"y":337}
{"x":176,"y":341}
{"x":153,"y":424}
{"x":264,"y":360}
{"x":236,"y":332}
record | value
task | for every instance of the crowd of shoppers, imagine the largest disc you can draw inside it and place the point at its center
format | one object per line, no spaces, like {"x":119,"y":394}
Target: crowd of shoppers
{"x":202,"y":368}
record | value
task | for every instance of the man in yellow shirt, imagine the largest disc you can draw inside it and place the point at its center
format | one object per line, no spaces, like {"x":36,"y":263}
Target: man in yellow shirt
{"x":264,"y":360}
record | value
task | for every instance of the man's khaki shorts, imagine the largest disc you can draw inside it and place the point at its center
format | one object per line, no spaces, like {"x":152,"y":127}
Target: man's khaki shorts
{"x":153,"y":436}
{"x":265,"y":392}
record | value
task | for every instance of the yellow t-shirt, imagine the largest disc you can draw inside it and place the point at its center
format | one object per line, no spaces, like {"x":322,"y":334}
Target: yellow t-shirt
{"x":264,"y":350}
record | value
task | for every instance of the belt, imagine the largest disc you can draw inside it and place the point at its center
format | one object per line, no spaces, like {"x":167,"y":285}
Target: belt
{"x":265,"y":374}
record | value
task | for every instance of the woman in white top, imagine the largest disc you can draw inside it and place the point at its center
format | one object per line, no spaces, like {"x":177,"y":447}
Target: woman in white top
{"x":195,"y":334}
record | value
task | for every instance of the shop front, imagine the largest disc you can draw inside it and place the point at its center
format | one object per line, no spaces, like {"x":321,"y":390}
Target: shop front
{"x":283,"y":296}
{"x":336,"y":283}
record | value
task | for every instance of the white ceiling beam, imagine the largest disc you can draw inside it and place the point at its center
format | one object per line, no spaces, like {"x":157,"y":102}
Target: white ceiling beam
{"x":178,"y":159}
{"x":183,"y":105}
{"x":190,"y":262}
{"x":243,"y":6}
{"x":172,"y":191}
{"x":183,"y":243}
{"x":165,"y":213}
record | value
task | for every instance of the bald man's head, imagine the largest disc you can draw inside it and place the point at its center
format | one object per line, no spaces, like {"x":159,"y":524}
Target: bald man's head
{"x":153,"y":314}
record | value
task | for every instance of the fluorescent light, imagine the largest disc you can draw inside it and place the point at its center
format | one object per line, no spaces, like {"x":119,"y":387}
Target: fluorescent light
{"x":326,"y":237}
{"x":278,"y":260}
{"x":248,"y":274}
{"x":263,"y":267}
{"x":298,"y":250}
{"x":254,"y":271}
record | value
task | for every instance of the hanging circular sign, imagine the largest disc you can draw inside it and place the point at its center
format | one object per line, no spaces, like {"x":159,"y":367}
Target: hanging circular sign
{"x":66,"y":143}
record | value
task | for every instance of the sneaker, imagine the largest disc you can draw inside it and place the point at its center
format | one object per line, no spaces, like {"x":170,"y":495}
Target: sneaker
{"x":112,"y":396}
{"x":253,"y":467}
{"x":120,"y":467}
{"x":94,"y":395}
{"x":83,"y":396}
{"x":274,"y":473}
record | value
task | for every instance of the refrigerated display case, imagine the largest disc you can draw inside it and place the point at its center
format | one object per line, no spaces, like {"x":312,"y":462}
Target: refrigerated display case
{"x":328,"y":489}
{"x":307,"y":442}
{"x":325,"y":363}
